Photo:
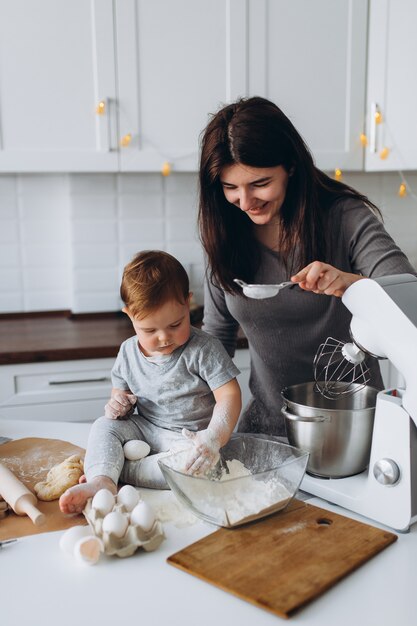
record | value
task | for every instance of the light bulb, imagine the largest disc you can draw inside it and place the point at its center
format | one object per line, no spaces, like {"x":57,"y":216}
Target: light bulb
{"x":402,"y":190}
{"x":101,"y":108}
{"x":126,"y":140}
{"x":363,"y":139}
{"x":166,"y":169}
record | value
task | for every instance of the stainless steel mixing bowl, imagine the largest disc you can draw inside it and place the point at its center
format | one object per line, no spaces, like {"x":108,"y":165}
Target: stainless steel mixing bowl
{"x":336,"y":433}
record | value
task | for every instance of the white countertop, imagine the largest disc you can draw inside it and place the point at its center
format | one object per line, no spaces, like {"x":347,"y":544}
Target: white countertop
{"x":41,"y":586}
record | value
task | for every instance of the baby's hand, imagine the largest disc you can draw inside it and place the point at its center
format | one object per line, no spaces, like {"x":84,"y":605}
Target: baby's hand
{"x":120,"y":405}
{"x":205,"y":451}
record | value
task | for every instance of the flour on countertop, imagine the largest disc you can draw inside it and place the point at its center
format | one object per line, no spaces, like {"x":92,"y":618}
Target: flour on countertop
{"x":172,"y":512}
{"x":167,"y":509}
{"x":293,"y":529}
{"x":34,"y":464}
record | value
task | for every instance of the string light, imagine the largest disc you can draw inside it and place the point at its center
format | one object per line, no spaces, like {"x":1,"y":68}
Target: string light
{"x":166,"y":169}
{"x":405,"y":188}
{"x":169,"y":161}
{"x":364,"y":140}
{"x":402,"y":190}
{"x":101,"y":108}
{"x":126,"y":140}
{"x":378,"y":117}
{"x":167,"y":166}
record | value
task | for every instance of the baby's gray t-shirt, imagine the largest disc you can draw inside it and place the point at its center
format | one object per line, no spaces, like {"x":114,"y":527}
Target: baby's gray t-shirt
{"x":175,"y":393}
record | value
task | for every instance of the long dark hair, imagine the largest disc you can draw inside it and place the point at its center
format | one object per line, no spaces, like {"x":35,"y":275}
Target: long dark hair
{"x":256,"y":133}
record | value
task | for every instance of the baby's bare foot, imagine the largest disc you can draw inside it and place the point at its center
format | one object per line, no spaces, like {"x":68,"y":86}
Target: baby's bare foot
{"x":75,"y":498}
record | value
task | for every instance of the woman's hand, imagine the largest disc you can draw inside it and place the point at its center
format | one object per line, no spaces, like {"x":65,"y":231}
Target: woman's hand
{"x":121,"y":405}
{"x":322,"y":278}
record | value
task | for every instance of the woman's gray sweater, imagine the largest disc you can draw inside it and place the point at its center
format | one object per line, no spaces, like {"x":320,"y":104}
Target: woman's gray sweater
{"x":284,"y":332}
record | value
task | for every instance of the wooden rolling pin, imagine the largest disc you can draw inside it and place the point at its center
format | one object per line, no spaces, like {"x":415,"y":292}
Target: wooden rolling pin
{"x":22,"y":501}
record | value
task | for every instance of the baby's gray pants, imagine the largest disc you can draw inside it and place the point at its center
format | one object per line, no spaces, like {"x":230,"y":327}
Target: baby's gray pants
{"x":105,"y":456}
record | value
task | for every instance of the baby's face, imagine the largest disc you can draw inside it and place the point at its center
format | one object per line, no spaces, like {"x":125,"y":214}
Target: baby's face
{"x":163,"y":330}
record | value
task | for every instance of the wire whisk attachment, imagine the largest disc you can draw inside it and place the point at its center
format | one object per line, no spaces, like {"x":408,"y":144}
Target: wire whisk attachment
{"x":339,"y":369}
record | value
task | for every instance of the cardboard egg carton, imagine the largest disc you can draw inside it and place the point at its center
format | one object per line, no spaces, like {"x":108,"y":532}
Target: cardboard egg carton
{"x":134,"y":538}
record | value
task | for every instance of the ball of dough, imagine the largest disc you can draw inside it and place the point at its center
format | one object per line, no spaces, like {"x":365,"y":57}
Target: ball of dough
{"x":136,"y":449}
{"x":60,"y":478}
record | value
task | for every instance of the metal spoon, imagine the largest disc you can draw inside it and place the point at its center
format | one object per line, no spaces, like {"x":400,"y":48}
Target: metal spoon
{"x":261,"y":291}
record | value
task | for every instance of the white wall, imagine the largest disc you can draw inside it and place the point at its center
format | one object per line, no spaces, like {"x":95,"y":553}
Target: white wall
{"x":65,"y":238}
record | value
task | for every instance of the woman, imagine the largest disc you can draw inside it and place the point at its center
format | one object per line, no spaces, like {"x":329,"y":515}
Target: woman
{"x":266,"y":215}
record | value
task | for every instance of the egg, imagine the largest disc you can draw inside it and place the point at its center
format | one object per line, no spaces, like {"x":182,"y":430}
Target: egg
{"x":143,"y":516}
{"x":128,"y":496}
{"x":115,"y":523}
{"x":103,"y":501}
{"x":136,"y":449}
{"x":71,"y":536}
{"x":88,"y":549}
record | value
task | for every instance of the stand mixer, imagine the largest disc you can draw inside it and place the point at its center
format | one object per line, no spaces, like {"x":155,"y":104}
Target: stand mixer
{"x":384,"y":325}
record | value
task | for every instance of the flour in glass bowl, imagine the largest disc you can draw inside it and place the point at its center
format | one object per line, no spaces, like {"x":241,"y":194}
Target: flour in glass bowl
{"x":232,"y":501}
{"x":252,"y":496}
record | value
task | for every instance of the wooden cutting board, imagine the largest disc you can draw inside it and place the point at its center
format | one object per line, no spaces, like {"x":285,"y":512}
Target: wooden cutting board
{"x":30,"y":459}
{"x":284,"y":561}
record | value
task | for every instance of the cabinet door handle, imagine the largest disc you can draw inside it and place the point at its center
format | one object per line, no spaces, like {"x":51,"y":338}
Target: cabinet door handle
{"x":101,"y":379}
{"x":103,"y":110}
{"x":376,"y":119}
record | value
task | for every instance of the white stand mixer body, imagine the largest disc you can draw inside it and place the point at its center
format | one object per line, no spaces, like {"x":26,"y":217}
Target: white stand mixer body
{"x":394,"y":436}
{"x":381,"y":328}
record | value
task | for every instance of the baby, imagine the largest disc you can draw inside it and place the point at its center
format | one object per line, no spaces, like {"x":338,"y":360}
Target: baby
{"x":172,"y":385}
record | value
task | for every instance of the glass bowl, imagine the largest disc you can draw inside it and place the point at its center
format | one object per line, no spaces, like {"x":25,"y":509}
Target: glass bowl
{"x":264,"y":475}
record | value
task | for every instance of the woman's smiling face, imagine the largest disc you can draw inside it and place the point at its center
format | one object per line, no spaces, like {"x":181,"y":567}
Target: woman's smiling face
{"x":258,"y":191}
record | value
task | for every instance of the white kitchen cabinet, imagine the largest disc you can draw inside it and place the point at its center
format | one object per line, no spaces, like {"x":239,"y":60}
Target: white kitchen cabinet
{"x":391,"y":88}
{"x":176,"y":62}
{"x":73,"y":391}
{"x":56,"y":66}
{"x":310,"y":59}
{"x":160,"y":67}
